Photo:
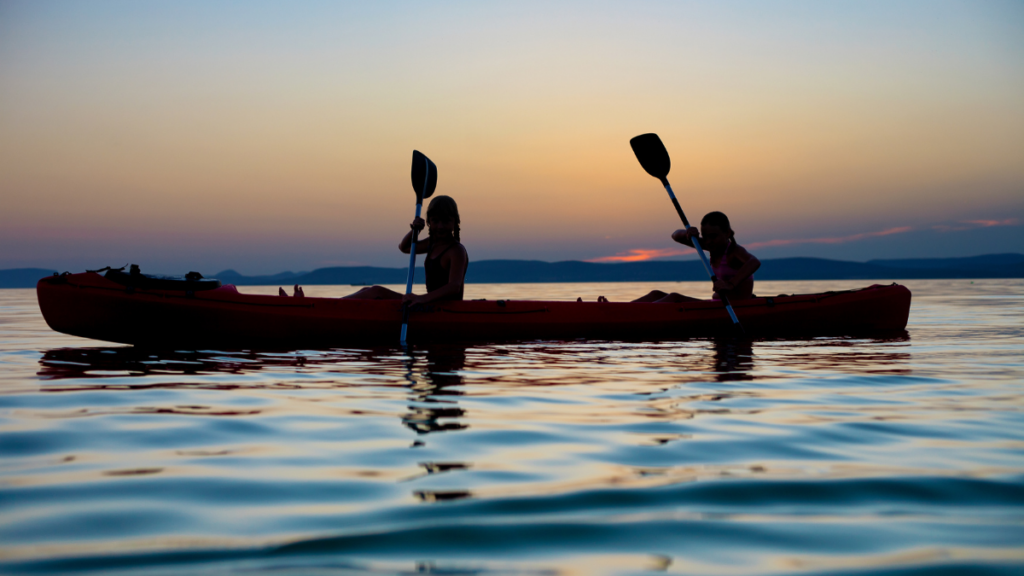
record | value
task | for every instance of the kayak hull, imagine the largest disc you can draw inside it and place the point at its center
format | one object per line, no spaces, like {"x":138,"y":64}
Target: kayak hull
{"x":91,"y":306}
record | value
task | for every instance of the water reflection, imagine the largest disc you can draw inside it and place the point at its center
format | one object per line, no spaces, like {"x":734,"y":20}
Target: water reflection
{"x":435,"y":374}
{"x":889,"y":355}
{"x":734,"y":359}
{"x":433,"y":408}
{"x":432,"y":400}
{"x":121,"y":367}
{"x":106,"y":362}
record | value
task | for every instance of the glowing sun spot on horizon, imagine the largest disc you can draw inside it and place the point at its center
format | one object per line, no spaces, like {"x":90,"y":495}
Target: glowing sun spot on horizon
{"x":641,"y":254}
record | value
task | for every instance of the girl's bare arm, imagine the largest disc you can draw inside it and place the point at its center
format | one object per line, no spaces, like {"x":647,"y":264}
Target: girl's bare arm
{"x":685,"y":236}
{"x":406,"y":242}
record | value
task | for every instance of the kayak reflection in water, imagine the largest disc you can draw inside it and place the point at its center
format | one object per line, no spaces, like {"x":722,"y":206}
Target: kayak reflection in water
{"x":446,"y":261}
{"x":732,"y":264}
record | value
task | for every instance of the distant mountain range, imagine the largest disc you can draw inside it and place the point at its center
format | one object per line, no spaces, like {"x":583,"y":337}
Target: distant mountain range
{"x":22,"y":277}
{"x":525,"y":271}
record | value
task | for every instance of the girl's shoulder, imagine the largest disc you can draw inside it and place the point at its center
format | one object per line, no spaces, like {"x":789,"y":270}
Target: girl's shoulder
{"x":455,"y":247}
{"x":737,"y":249}
{"x":738,"y":253}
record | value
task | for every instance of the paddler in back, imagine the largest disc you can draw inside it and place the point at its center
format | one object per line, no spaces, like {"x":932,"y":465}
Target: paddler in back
{"x":734,"y":267}
{"x":446,"y":262}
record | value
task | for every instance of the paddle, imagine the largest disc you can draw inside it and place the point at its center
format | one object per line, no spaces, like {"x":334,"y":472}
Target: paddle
{"x":654,"y":158}
{"x":424,"y":180}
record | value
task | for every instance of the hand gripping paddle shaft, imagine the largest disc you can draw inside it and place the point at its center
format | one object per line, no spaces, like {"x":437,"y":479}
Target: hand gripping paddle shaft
{"x":654,"y":158}
{"x":424,"y":180}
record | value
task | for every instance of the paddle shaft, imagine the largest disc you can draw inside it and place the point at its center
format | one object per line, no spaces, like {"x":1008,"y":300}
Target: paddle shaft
{"x":700,"y":251}
{"x":412,"y":271}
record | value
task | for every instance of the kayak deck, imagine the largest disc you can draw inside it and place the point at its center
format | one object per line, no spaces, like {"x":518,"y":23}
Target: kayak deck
{"x":91,"y":306}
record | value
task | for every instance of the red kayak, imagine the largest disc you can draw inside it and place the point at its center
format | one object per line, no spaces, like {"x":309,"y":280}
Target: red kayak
{"x":195,"y":313}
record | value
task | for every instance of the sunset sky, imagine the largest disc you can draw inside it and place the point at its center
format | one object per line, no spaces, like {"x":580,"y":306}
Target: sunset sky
{"x":271,"y":136}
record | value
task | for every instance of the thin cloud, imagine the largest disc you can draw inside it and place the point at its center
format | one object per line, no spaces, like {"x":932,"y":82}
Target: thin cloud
{"x":832,"y":239}
{"x":972,"y":224}
{"x":989,"y":223}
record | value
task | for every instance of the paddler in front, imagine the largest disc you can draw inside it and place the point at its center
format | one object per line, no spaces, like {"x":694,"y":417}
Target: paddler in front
{"x":734,"y":267}
{"x":446,"y":262}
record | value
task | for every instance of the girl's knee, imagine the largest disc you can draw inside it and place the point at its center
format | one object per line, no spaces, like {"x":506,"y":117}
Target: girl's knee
{"x":652,"y":296}
{"x":676,"y":297}
{"x":382,"y":293}
{"x":371,"y":293}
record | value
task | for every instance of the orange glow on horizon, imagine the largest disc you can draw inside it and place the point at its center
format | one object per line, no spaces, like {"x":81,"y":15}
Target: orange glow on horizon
{"x":640,"y":254}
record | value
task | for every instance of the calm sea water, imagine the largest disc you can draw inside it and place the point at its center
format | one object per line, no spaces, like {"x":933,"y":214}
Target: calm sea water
{"x":895,"y":456}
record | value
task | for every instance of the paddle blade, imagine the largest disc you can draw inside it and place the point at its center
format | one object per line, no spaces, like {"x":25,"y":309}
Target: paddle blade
{"x":652,"y":155}
{"x":424,"y":175}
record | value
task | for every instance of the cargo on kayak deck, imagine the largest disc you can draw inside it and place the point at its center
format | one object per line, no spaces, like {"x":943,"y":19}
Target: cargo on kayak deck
{"x":91,"y":306}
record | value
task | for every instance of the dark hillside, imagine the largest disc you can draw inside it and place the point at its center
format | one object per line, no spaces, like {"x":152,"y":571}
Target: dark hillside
{"x":521,"y":271}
